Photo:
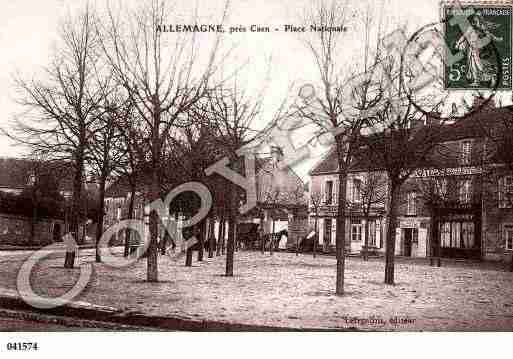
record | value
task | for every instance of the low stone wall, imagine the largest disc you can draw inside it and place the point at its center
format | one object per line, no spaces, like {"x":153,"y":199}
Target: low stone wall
{"x":16,"y":230}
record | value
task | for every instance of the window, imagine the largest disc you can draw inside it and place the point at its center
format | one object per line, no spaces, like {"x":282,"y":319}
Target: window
{"x":411,"y":205}
{"x":327,"y":231}
{"x":356,"y":230}
{"x":372,"y":233}
{"x":357,"y":190}
{"x":445,"y":234}
{"x":466,"y":150}
{"x":441,"y":187}
{"x":379,"y":239}
{"x":31,"y":179}
{"x":467,"y":232}
{"x":329,"y":192}
{"x":465,"y":191}
{"x":506,"y":192}
{"x":508,"y":237}
{"x":457,"y":234}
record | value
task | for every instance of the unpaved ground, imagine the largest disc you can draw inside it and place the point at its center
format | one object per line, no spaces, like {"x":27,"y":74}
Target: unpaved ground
{"x":285,"y":290}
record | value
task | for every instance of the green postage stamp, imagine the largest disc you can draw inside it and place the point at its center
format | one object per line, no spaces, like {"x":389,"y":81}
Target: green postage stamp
{"x":478,"y":46}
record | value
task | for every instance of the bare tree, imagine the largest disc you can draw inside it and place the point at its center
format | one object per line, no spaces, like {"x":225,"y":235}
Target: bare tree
{"x":129,"y":168}
{"x":191,"y":151}
{"x":373,"y":193}
{"x":316,"y":201}
{"x":63,"y":106}
{"x":333,"y":109}
{"x":498,"y":150}
{"x":400,"y":149}
{"x":106,"y":155}
{"x":434,"y":192}
{"x":163,"y":82}
{"x":234,"y":113}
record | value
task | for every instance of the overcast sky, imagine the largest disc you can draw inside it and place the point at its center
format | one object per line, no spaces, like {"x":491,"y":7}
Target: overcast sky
{"x":28,"y":30}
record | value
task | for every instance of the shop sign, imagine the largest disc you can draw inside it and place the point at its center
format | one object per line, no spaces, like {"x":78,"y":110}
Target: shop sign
{"x":454,"y":171}
{"x":409,"y":223}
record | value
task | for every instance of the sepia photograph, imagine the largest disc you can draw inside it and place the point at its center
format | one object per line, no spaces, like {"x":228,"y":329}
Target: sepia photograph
{"x":303,"y":168}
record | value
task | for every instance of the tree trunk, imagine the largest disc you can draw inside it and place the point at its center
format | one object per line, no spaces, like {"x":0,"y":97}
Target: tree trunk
{"x":236,"y":240}
{"x":152,"y":274}
{"x":223,"y":241}
{"x":262,"y":234}
{"x":220,"y":234}
{"x":33,"y":221}
{"x":438,"y":251}
{"x":130,"y":215}
{"x":76,"y":205}
{"x":188,"y":257}
{"x":316,"y":236}
{"x":202,"y":233}
{"x":435,"y":253}
{"x":340,"y":240}
{"x":272,"y":240}
{"x":366,"y":241}
{"x":99,"y":221}
{"x":297,"y":245}
{"x":392,"y":224}
{"x":211,"y":238}
{"x":230,"y":248}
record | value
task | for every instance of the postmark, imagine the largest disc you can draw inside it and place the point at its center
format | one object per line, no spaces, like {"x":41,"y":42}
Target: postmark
{"x":478,"y":46}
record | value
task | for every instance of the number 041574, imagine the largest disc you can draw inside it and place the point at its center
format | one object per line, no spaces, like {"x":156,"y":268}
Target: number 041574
{"x":22,"y":346}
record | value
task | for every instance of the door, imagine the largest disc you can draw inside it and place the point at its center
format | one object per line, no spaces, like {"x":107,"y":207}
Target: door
{"x":327,"y":233}
{"x":57,"y":232}
{"x":408,"y":238}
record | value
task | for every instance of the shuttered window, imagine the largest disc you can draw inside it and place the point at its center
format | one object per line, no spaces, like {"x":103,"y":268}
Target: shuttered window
{"x":506,"y":192}
{"x":508,"y":236}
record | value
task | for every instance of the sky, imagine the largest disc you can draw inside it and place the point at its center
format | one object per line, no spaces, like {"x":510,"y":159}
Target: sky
{"x":28,"y":34}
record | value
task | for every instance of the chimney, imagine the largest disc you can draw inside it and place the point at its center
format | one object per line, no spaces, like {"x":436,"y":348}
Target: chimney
{"x":417,"y":122}
{"x":483,"y":104}
{"x":433,"y":118}
{"x":276,"y":154}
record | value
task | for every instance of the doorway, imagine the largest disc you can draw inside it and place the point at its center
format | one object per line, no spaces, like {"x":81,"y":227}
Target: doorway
{"x":327,"y":234}
{"x":57,"y":232}
{"x":410,"y":237}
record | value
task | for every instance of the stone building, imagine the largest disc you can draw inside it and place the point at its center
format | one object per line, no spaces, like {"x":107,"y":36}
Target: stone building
{"x":281,"y":200}
{"x":323,"y":205}
{"x":16,"y":175}
{"x":460,"y":199}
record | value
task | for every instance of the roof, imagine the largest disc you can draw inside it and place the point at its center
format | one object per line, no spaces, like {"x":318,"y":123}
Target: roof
{"x":15,"y":173}
{"x":291,"y":183}
{"x":271,"y":178}
{"x":470,"y":127}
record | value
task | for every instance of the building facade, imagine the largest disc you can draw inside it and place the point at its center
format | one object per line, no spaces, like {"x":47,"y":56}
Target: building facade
{"x":18,"y":227}
{"x":281,"y":202}
{"x":457,"y":205}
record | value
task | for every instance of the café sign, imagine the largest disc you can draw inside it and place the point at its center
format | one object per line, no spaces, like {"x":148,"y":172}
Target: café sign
{"x":452,"y":171}
{"x":409,"y":223}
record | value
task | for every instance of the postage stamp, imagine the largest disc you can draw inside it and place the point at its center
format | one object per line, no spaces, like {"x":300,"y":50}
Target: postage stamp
{"x":478,"y":46}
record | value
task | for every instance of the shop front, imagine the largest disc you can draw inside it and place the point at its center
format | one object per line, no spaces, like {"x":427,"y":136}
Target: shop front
{"x":412,"y":237}
{"x":459,"y":232}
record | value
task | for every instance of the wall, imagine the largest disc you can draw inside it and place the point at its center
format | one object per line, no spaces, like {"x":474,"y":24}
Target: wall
{"x":16,"y":230}
{"x":494,"y":219}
